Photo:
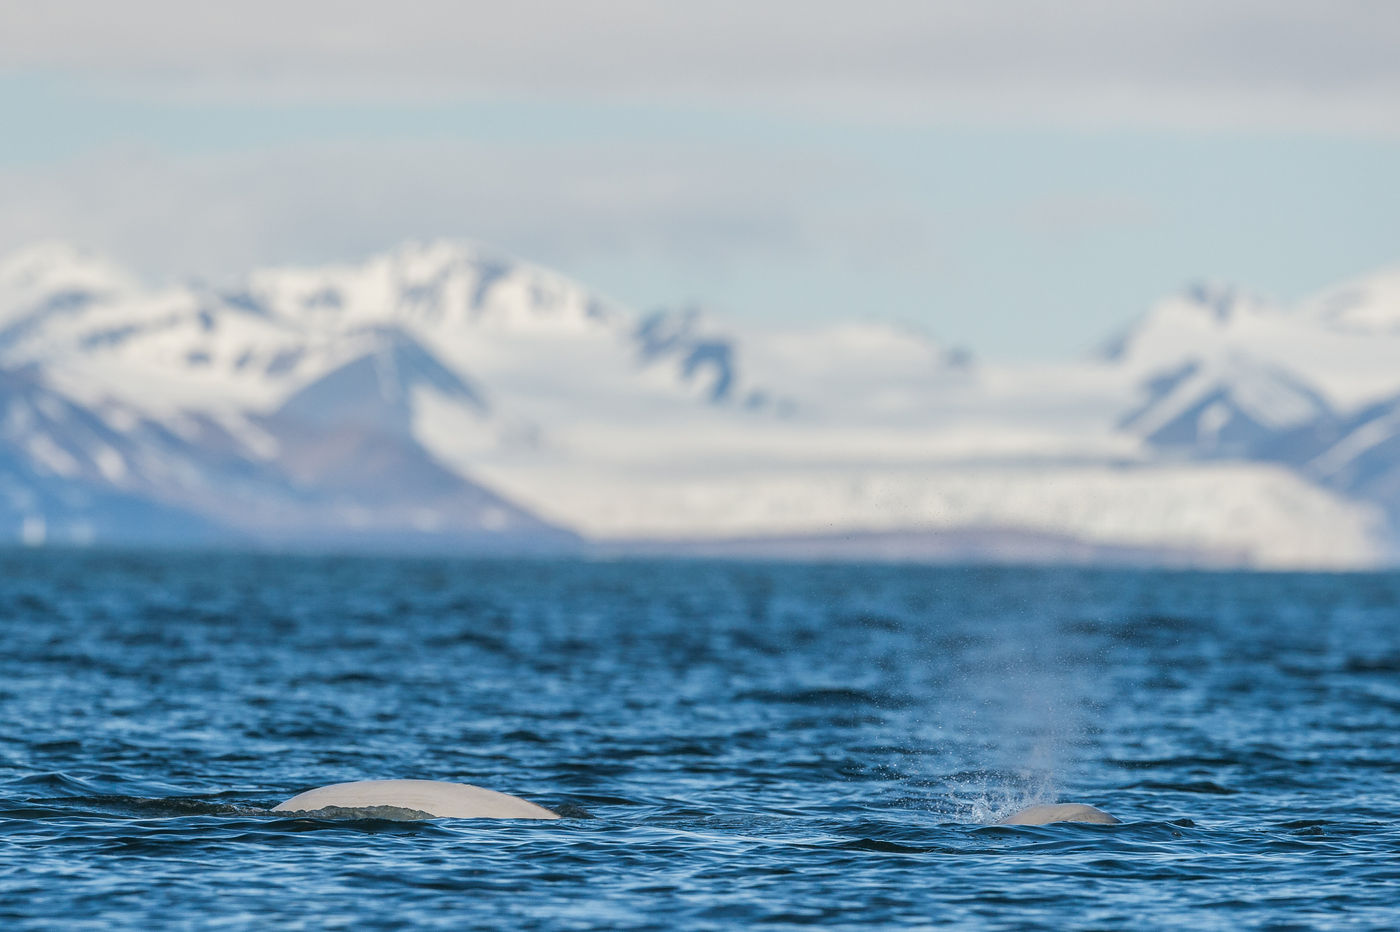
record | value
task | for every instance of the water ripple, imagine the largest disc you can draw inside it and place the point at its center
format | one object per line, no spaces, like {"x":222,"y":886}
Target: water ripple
{"x":729,"y":745}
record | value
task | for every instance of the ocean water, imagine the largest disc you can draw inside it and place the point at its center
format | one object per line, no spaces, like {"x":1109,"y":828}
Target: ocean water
{"x":732,"y":745}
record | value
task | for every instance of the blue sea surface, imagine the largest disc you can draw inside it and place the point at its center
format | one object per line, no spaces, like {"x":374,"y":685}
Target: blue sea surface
{"x":732,"y":745}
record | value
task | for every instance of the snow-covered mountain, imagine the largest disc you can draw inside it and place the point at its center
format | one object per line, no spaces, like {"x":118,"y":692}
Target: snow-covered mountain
{"x":1230,"y":408}
{"x":1369,"y":305}
{"x":1313,"y":387}
{"x":350,"y":401}
{"x":1344,"y":343}
{"x":442,"y":395}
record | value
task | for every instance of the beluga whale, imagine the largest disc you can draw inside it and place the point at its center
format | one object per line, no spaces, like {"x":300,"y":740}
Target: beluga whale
{"x":415,"y":799}
{"x":1058,"y":812}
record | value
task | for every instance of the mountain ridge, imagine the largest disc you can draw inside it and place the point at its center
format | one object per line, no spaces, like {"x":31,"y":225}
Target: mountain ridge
{"x":441,"y":393}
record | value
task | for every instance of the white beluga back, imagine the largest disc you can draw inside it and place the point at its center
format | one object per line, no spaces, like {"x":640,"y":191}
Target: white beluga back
{"x":1059,"y":812}
{"x":429,"y":797}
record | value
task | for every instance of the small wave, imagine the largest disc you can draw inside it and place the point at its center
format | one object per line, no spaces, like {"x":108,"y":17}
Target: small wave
{"x":152,"y":807}
{"x":885,"y":847}
{"x":1207,"y":787}
{"x":53,"y":781}
{"x":827,"y":698}
{"x":1389,"y":663}
{"x":1156,"y":763}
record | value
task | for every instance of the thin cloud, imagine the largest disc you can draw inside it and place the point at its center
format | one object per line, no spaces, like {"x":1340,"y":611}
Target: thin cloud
{"x":562,"y":205}
{"x":1087,"y":213}
{"x":1308,"y":64}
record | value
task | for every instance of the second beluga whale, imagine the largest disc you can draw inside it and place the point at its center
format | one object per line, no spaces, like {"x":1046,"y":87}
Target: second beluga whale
{"x":1058,"y":812}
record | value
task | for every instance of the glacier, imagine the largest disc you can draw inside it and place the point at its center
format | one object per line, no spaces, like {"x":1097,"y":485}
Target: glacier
{"x":442,"y":396}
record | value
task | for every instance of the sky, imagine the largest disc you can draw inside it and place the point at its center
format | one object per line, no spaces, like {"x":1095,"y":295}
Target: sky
{"x":1020,"y":179}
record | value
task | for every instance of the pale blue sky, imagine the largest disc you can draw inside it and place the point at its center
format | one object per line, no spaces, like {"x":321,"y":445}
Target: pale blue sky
{"x":1023,"y":197}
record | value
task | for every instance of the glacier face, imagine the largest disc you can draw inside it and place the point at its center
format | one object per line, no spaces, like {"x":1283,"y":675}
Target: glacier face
{"x":440,"y":395}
